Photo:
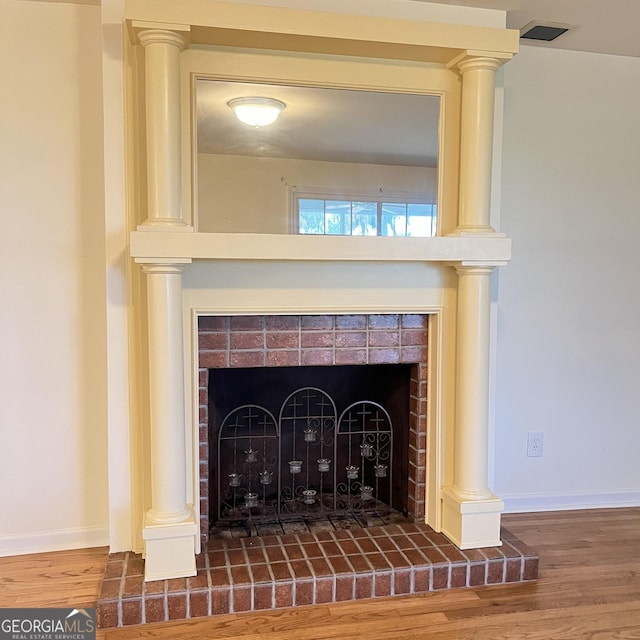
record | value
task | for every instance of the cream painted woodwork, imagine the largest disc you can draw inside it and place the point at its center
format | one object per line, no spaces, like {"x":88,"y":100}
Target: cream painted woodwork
{"x":255,"y":274}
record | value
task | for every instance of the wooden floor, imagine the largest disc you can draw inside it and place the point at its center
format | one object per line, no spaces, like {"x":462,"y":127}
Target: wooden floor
{"x":589,"y":588}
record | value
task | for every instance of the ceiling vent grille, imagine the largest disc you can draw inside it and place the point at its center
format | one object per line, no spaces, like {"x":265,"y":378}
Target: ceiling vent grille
{"x":543,"y":31}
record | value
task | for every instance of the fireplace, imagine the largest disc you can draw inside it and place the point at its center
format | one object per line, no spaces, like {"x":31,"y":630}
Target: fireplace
{"x":247,"y":572}
{"x":352,"y":365}
{"x":273,"y":300}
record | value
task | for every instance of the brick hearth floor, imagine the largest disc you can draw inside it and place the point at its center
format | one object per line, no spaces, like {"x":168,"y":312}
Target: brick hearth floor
{"x":257,"y":573}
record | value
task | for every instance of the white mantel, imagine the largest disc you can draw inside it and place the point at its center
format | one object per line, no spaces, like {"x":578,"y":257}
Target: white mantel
{"x":448,"y":276}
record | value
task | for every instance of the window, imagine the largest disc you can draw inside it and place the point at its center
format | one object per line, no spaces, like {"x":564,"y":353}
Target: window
{"x":384,"y":216}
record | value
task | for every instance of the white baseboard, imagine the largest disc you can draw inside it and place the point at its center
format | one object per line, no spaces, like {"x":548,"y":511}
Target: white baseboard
{"x":522,"y":503}
{"x":56,"y":540}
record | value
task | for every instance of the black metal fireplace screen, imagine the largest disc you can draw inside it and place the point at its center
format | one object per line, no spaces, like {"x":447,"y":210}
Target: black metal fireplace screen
{"x":307,"y":461}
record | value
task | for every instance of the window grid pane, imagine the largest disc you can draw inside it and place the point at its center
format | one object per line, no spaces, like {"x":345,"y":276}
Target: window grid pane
{"x":366,"y":217}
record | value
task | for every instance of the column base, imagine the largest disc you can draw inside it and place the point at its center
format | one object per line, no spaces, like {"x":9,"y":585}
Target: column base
{"x":170,"y":549}
{"x":471,"y":524}
{"x":165,"y":224}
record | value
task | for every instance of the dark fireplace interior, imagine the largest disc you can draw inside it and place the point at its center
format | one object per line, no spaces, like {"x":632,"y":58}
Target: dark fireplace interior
{"x":294,"y":444}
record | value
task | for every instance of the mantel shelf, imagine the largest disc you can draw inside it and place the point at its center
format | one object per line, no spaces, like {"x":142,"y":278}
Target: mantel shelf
{"x":156,"y":246}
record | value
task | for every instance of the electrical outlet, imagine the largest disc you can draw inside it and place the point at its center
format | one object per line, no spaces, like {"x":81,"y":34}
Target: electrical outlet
{"x":535,"y":440}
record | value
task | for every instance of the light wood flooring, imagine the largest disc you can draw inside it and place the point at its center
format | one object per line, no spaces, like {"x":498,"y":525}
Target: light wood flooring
{"x":589,"y":588}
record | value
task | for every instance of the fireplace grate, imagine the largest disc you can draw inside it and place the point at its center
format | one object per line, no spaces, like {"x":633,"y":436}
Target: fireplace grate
{"x":309,"y":461}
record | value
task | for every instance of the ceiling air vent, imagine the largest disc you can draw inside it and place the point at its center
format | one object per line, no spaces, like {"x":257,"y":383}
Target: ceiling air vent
{"x":543,"y":31}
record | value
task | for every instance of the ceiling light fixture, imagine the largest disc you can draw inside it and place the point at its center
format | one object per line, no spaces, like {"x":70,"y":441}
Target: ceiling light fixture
{"x":257,"y":112}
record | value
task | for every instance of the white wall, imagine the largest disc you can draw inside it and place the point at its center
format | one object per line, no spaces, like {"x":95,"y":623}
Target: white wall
{"x":53,"y":480}
{"x":225,"y":204}
{"x":568,"y":352}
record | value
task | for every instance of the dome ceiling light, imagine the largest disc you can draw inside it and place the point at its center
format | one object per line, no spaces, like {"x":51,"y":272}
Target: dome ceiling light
{"x":255,"y":111}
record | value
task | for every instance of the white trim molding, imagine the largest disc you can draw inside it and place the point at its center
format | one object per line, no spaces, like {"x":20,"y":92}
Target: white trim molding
{"x":54,"y":540}
{"x":523,"y":503}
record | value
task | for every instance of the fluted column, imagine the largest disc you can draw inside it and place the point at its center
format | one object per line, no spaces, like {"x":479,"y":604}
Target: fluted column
{"x":162,"y":47}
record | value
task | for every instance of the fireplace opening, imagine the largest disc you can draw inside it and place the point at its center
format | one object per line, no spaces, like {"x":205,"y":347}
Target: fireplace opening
{"x":302,"y":447}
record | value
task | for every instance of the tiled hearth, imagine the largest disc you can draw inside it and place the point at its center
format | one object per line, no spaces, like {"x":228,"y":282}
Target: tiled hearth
{"x":252,"y":574}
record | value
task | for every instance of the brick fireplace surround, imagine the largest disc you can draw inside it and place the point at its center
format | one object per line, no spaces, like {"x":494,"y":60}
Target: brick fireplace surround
{"x":251,"y":574}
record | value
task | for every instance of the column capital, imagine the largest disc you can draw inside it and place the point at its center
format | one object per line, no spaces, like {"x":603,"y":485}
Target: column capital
{"x":146,"y":33}
{"x":159,"y":266}
{"x":466,"y":269}
{"x":479,"y":60}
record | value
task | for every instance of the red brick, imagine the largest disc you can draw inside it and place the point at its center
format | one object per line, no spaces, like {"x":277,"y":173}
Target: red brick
{"x":283,"y":340}
{"x":282,"y":323}
{"x":350,"y":339}
{"x":414,"y":321}
{"x":263,"y":596}
{"x":247,"y":359}
{"x":213,"y":359}
{"x":221,"y":601}
{"x":133,"y":586}
{"x":530,"y":569}
{"x":317,"y":357}
{"x":351,"y":322}
{"x":113,"y":569}
{"x":303,"y":593}
{"x":107,"y":614}
{"x":213,"y":323}
{"x":316,"y":322}
{"x":416,"y":337}
{"x":413,"y":354}
{"x":247,"y":340}
{"x":364,"y":586}
{"x":132,"y":612}
{"x":199,"y":581}
{"x":246,"y":323}
{"x":283,"y":595}
{"x":316,"y":339}
{"x":324,"y":590}
{"x":199,"y":604}
{"x":514,"y":567}
{"x":384,"y":356}
{"x":458,"y":576}
{"x":344,"y":588}
{"x":351,"y":356}
{"x":218,"y":341}
{"x":177,"y":606}
{"x":384,"y":339}
{"x":283,"y":359}
{"x":402,"y":581}
{"x":110,"y":589}
{"x":495,"y":572}
{"x":384,"y":321}
{"x":241,"y":599}
{"x":382,"y":584}
{"x":477,"y":574}
{"x":440,"y":577}
{"x":421,"y":577}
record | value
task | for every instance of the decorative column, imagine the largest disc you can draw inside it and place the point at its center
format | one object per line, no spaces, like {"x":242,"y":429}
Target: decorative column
{"x":162,"y":46}
{"x":471,"y":513}
{"x":170,"y":525}
{"x":476,"y":139}
{"x":170,"y":529}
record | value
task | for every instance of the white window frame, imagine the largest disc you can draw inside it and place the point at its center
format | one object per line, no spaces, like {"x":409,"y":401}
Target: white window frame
{"x":379,"y":197}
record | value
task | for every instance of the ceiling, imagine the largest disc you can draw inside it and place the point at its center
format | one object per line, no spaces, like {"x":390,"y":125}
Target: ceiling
{"x":335,"y":125}
{"x":319,"y":124}
{"x":601,"y":26}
